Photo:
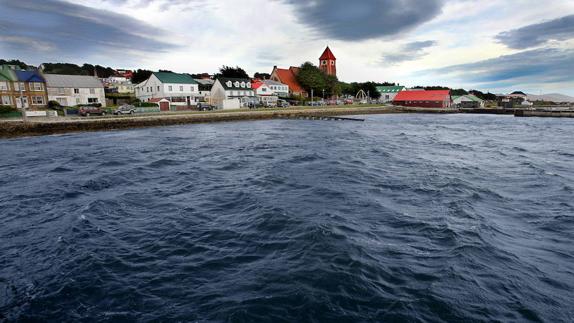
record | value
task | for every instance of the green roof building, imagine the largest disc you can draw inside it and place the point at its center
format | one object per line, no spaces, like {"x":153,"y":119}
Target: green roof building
{"x":388,"y":93}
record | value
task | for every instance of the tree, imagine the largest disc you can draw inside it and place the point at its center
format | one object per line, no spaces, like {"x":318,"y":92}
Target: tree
{"x":15,"y":62}
{"x":233,"y":72}
{"x":262,"y":76}
{"x":369,"y":88}
{"x":140,"y":76}
{"x":458,"y":92}
{"x":313,"y":79}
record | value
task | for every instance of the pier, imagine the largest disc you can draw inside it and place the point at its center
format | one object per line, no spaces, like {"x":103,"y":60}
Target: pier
{"x":545,"y":114}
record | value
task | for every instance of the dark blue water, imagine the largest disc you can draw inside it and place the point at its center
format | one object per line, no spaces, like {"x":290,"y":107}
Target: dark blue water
{"x":414,"y":218}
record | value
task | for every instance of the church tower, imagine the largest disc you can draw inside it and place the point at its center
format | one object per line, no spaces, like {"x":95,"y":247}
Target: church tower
{"x":328,"y":62}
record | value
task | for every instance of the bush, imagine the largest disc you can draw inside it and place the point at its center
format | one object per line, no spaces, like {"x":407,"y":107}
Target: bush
{"x":54,"y":105}
{"x":7,"y":109}
{"x":146,"y":105}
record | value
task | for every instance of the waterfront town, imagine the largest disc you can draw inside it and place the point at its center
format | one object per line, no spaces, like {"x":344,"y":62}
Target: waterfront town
{"x":45,"y":91}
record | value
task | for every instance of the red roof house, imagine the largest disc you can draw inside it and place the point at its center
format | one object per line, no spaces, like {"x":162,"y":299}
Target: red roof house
{"x":424,"y":99}
{"x":289,"y":77}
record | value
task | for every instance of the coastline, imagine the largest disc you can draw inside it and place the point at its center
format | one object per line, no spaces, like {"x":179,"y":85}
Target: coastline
{"x":47,"y":126}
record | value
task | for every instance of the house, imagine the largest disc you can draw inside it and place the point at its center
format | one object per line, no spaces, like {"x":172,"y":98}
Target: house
{"x":22,"y":88}
{"x":232,"y":92}
{"x":280,"y":89}
{"x":264,"y":93}
{"x":289,"y":78}
{"x":118,"y":84}
{"x":71,"y":90}
{"x":388,"y":93}
{"x":181,"y":90}
{"x":424,"y":99}
{"x":468,"y":101}
{"x":205,"y":85}
{"x":328,"y":62}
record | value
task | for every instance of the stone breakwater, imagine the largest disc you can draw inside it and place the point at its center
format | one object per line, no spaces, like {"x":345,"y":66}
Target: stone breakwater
{"x":63,"y":125}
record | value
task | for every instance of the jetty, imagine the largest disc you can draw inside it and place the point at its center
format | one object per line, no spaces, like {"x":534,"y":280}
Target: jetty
{"x":545,"y":113}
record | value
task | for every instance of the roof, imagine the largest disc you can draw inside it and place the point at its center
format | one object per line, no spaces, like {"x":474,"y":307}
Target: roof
{"x":288,"y":77}
{"x":7,"y":74}
{"x":174,"y":78}
{"x":29,"y":76}
{"x":205,"y":84}
{"x":271,"y":82}
{"x":72,"y":81}
{"x":328,"y":55}
{"x":390,"y":89}
{"x":224,"y":80}
{"x":421,"y":95}
{"x":468,"y":97}
{"x":255,"y":84}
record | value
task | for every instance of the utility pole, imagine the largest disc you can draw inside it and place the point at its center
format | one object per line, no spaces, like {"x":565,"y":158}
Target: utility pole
{"x":323,"y":94}
{"x":311,"y":96}
{"x":24,"y":116}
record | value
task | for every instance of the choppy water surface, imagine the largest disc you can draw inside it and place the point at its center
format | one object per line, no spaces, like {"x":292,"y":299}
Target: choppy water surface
{"x":402,"y":218}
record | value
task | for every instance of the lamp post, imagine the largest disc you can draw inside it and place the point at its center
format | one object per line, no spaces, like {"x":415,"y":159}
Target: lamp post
{"x":323,"y":94}
{"x":311,"y":96}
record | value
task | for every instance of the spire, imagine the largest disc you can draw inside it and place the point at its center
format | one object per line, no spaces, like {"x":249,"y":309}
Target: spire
{"x":328,"y":55}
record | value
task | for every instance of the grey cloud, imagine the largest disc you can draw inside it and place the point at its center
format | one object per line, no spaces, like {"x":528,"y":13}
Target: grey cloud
{"x":408,"y":52}
{"x":366,"y":19}
{"x":72,"y":29}
{"x":532,"y":67}
{"x":538,"y":34}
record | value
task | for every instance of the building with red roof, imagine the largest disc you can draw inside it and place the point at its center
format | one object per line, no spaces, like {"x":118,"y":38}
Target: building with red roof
{"x":289,"y":77}
{"x":328,"y":62}
{"x":424,"y":99}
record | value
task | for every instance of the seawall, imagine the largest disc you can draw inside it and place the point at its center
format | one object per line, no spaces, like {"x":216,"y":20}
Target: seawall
{"x":37,"y":127}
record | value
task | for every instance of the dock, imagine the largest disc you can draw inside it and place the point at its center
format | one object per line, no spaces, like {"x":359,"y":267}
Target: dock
{"x":322,"y":118}
{"x":545,"y":114}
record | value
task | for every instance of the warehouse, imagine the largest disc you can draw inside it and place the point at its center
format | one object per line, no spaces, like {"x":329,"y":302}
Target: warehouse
{"x":424,"y":99}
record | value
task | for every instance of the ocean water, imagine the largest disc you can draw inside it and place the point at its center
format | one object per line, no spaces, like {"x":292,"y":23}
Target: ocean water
{"x":402,"y":218}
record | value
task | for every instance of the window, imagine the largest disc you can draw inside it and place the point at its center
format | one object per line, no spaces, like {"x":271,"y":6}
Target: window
{"x":170,"y":88}
{"x":77,"y":101}
{"x":243,"y":84}
{"x":181,"y":88}
{"x":158,"y":88}
{"x":332,"y":62}
{"x":37,"y":100}
{"x":6,"y":100}
{"x":62,"y":101}
{"x":4,"y":86}
{"x":324,"y":62}
{"x":92,"y":91}
{"x":229,"y":84}
{"x":37,"y":86}
{"x":248,"y":85}
{"x":92,"y":100}
{"x":236,"y":84}
{"x":76,"y":91}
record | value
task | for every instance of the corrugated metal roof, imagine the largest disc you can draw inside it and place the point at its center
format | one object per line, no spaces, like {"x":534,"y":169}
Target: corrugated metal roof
{"x":437,"y":95}
{"x":29,"y":76}
{"x":7,"y":74}
{"x":174,"y":78}
{"x":390,"y":89}
{"x":72,"y":81}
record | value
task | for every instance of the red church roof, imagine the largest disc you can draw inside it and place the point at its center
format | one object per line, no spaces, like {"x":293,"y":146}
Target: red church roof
{"x":421,"y":95}
{"x":327,"y":55}
{"x":287,"y":76}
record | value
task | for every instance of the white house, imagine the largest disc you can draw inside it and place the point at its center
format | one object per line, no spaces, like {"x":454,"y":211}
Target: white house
{"x":179,"y":89}
{"x":71,"y":90}
{"x":225,"y":90}
{"x":278,"y":88}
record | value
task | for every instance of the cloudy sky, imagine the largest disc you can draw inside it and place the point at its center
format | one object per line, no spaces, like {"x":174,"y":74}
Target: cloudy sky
{"x":496,"y":45}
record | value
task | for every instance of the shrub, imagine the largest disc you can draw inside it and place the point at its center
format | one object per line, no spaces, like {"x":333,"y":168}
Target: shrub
{"x":54,"y":105}
{"x":7,"y":109}
{"x":146,"y":105}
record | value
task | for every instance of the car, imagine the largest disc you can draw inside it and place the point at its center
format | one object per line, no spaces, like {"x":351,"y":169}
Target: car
{"x":125,"y":109}
{"x":282,"y":104}
{"x":349,"y":101}
{"x":202,"y":106}
{"x":87,"y":111}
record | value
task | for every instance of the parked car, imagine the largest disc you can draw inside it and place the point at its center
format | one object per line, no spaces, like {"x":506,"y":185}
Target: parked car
{"x":282,"y":104}
{"x":125,"y":109}
{"x":87,"y":111}
{"x":349,"y":101}
{"x":202,"y":106}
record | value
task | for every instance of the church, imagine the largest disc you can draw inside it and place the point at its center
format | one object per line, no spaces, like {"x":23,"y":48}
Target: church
{"x":327,"y":64}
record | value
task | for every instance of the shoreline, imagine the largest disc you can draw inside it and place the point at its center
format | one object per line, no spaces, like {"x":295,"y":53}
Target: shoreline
{"x":45,"y":126}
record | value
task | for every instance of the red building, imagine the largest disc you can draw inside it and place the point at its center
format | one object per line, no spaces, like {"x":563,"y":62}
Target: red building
{"x":328,"y":62}
{"x":424,"y":99}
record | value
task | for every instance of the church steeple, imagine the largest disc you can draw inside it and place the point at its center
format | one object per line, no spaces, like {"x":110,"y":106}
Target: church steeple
{"x":328,"y":62}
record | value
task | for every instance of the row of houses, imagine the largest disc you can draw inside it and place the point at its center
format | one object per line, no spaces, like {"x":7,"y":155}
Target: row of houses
{"x":31,"y":89}
{"x":182,"y":90}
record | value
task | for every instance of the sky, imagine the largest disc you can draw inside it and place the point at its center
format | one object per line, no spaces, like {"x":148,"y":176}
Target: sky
{"x":490,"y":45}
